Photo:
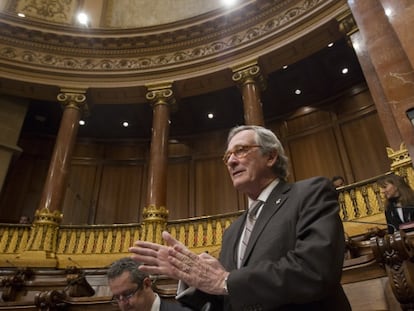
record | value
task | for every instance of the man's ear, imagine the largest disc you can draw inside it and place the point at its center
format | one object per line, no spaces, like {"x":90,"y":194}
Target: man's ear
{"x":147,"y":282}
{"x":272,"y":158}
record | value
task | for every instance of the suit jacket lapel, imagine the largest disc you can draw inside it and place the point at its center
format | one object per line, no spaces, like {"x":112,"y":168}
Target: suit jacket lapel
{"x":273,"y":203}
{"x":237,"y":228}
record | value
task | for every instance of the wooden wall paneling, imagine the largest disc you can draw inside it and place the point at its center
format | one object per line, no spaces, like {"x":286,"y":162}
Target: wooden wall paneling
{"x":78,"y":203}
{"x":366,"y":146}
{"x":178,"y":189}
{"x":307,"y":119}
{"x":21,"y":194}
{"x":279,"y":127}
{"x":88,"y":151}
{"x":25,"y":180}
{"x":214,"y":192}
{"x":209,"y":144}
{"x":120,"y":193}
{"x":315,"y":154}
{"x":345,"y":170}
{"x":358,"y":102}
{"x":125,"y":151}
{"x":79,"y":206}
{"x":144,"y":190}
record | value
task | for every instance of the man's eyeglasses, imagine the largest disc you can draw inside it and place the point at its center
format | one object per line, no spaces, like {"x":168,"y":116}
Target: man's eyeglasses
{"x":125,"y":297}
{"x":239,"y":151}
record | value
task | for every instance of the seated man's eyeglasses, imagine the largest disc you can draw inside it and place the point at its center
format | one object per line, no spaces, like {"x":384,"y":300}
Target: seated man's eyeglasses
{"x":239,"y":151}
{"x":125,"y":296}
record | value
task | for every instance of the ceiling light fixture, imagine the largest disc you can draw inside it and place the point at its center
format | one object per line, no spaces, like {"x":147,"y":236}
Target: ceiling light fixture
{"x":82,"y":122}
{"x":21,"y":15}
{"x":285,"y":66}
{"x":298,"y":92}
{"x":344,"y":71}
{"x":83,"y":19}
{"x":210,"y":116}
{"x":330,"y":45}
{"x":388,"y":12}
{"x":125,"y":124}
{"x":228,"y":2}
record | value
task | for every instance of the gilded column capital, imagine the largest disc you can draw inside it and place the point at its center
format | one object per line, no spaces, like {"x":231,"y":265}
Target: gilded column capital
{"x":160,"y":93}
{"x":73,"y":98}
{"x":249,"y":73}
{"x":347,"y":24}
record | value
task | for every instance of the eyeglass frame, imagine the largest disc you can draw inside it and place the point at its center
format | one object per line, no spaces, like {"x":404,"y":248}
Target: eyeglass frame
{"x":243,"y":151}
{"x":125,"y":298}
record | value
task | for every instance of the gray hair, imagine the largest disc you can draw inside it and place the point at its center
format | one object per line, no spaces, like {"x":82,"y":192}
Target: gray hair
{"x":118,"y":267}
{"x":268,"y":143}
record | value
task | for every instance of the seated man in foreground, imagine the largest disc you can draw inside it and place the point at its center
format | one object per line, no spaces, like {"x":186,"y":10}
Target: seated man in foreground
{"x":132,"y":289}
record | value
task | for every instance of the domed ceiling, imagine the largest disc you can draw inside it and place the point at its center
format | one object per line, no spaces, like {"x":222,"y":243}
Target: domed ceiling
{"x":194,"y":44}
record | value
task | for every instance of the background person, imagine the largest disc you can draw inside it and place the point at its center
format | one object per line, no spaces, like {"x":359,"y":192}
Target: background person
{"x":399,"y":201}
{"x":293,"y":259}
{"x":24,"y":219}
{"x":338,"y":181}
{"x":132,"y":288}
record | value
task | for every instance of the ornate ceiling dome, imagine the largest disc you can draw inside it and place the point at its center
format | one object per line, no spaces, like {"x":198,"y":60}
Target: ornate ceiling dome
{"x":147,"y":41}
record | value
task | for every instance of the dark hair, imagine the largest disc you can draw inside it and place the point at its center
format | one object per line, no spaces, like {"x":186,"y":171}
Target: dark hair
{"x":268,"y":142}
{"x":406,"y":193}
{"x":337,"y":177}
{"x":118,"y":267}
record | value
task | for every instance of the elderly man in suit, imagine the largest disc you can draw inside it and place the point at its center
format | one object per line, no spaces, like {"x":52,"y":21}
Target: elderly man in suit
{"x":284,"y":253}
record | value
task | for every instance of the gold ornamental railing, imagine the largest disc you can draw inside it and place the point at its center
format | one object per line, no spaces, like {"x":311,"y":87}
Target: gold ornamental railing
{"x":76,"y":244}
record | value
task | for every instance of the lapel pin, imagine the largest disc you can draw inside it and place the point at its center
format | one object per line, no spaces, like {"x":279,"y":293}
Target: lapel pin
{"x":278,"y":201}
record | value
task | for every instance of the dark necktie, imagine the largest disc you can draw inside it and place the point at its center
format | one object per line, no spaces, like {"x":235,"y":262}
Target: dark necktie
{"x":248,"y":228}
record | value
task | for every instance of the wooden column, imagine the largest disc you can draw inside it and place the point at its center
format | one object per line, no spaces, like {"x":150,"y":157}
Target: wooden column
{"x":155,"y":214}
{"x":251,"y":81}
{"x":386,"y":67}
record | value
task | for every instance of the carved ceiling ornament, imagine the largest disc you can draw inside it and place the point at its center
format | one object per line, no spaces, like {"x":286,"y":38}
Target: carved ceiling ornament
{"x":57,"y":11}
{"x":114,"y":53}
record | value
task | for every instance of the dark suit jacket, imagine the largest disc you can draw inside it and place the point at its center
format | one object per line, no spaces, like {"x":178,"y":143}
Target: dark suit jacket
{"x":172,"y":306}
{"x":394,"y":220}
{"x":295,"y":253}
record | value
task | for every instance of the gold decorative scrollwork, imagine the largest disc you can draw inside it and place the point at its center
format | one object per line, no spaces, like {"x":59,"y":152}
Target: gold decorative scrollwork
{"x":72,"y":98}
{"x":249,"y":73}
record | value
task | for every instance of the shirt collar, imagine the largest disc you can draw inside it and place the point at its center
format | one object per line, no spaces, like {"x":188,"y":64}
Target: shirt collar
{"x":263,"y":196}
{"x":156,"y":304}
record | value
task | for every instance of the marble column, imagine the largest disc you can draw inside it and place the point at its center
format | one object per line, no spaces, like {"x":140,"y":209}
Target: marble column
{"x":155,"y":214}
{"x":73,"y":102}
{"x":12,"y":114}
{"x":249,"y":78}
{"x":41,"y":247}
{"x":386,"y":65}
{"x":401,"y":17}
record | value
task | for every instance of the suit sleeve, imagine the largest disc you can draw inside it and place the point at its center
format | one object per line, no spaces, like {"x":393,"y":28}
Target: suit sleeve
{"x":299,"y":257}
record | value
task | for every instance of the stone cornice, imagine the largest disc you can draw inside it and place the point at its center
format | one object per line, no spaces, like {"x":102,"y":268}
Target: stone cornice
{"x":114,"y":53}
